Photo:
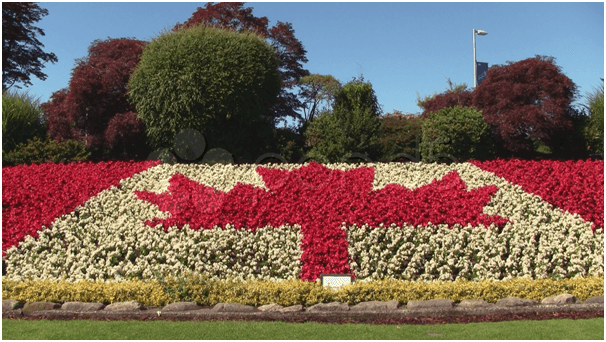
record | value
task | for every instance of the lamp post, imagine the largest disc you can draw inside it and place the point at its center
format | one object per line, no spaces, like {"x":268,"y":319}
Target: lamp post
{"x":475,"y":65}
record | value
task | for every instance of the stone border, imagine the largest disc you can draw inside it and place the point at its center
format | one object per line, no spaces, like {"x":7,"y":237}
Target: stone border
{"x":391,"y":309}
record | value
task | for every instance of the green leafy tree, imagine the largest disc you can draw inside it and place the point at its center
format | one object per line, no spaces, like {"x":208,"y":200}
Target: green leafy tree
{"x":317,"y":90}
{"x":217,"y":81}
{"x":458,"y":132}
{"x":351,"y":127}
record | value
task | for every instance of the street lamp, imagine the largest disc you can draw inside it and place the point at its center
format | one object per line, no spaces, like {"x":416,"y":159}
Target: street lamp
{"x":475,"y":65}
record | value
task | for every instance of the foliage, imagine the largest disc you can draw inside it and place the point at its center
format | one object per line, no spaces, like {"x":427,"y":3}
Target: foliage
{"x":22,"y":55}
{"x":39,"y":151}
{"x":94,"y":109}
{"x":595,"y":127}
{"x":351,"y":127}
{"x":288,"y":49}
{"x":316,"y":89}
{"x":324,"y":138}
{"x":399,"y":134}
{"x":217,"y":81}
{"x":529,"y":98}
{"x":125,"y":136}
{"x":20,"y":120}
{"x":357,"y":94}
{"x":289,"y":144}
{"x":455,"y":95}
{"x":540,"y":147}
{"x":202,"y":291}
{"x":575,"y":145}
{"x":456,"y":131}
{"x":446,"y":100}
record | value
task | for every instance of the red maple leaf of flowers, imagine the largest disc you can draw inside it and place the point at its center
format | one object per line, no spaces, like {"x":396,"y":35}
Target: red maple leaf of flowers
{"x":319,"y":200}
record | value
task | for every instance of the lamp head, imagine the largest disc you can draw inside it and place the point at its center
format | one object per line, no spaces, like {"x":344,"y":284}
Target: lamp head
{"x":481,"y":32}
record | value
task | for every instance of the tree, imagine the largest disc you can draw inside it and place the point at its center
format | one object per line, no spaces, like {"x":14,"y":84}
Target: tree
{"x":455,"y":95}
{"x":399,"y":134}
{"x":351,"y":127}
{"x":22,"y":55}
{"x":315,"y":89}
{"x":529,"y":98}
{"x":289,"y":144}
{"x":217,"y":81}
{"x":458,"y":132}
{"x":288,"y":49}
{"x":94,"y":109}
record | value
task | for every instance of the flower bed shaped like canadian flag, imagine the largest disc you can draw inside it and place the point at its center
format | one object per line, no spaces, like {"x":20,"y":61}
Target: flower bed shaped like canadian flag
{"x":320,"y":200}
{"x":92,"y":221}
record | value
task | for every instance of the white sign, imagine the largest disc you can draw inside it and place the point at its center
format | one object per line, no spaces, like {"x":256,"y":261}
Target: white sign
{"x":335,"y":281}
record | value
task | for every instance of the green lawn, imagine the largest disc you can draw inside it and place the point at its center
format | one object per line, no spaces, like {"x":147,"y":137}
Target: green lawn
{"x":556,"y":329}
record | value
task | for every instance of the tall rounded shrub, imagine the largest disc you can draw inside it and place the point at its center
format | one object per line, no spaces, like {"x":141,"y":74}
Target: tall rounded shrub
{"x":460,"y":132}
{"x":217,"y":81}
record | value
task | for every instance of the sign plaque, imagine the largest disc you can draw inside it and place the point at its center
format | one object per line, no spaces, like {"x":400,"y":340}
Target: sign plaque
{"x":335,"y":281}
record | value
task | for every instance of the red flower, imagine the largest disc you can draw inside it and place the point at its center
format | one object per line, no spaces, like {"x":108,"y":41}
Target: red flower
{"x":575,"y":186}
{"x":35,"y":195}
{"x":325,"y":198}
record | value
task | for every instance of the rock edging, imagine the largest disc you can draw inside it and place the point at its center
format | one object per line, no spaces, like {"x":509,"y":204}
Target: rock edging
{"x":434,"y":307}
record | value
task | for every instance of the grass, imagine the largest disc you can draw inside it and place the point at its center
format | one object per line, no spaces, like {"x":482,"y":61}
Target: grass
{"x":556,"y":329}
{"x":21,"y":119}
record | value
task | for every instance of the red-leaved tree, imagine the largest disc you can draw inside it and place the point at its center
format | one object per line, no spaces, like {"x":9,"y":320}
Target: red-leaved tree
{"x":529,"y":98}
{"x":455,"y":95}
{"x":94,"y":109}
{"x":289,"y":50}
{"x":448,"y":99}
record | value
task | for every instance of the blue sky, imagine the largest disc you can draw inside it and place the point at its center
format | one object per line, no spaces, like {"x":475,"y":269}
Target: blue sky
{"x":400,"y":47}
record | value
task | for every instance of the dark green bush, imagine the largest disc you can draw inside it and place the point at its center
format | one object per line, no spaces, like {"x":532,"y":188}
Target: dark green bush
{"x":38,"y":151}
{"x":576,"y":145}
{"x":219,"y":82}
{"x":398,"y":135}
{"x":460,"y":132}
{"x":288,"y":144}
